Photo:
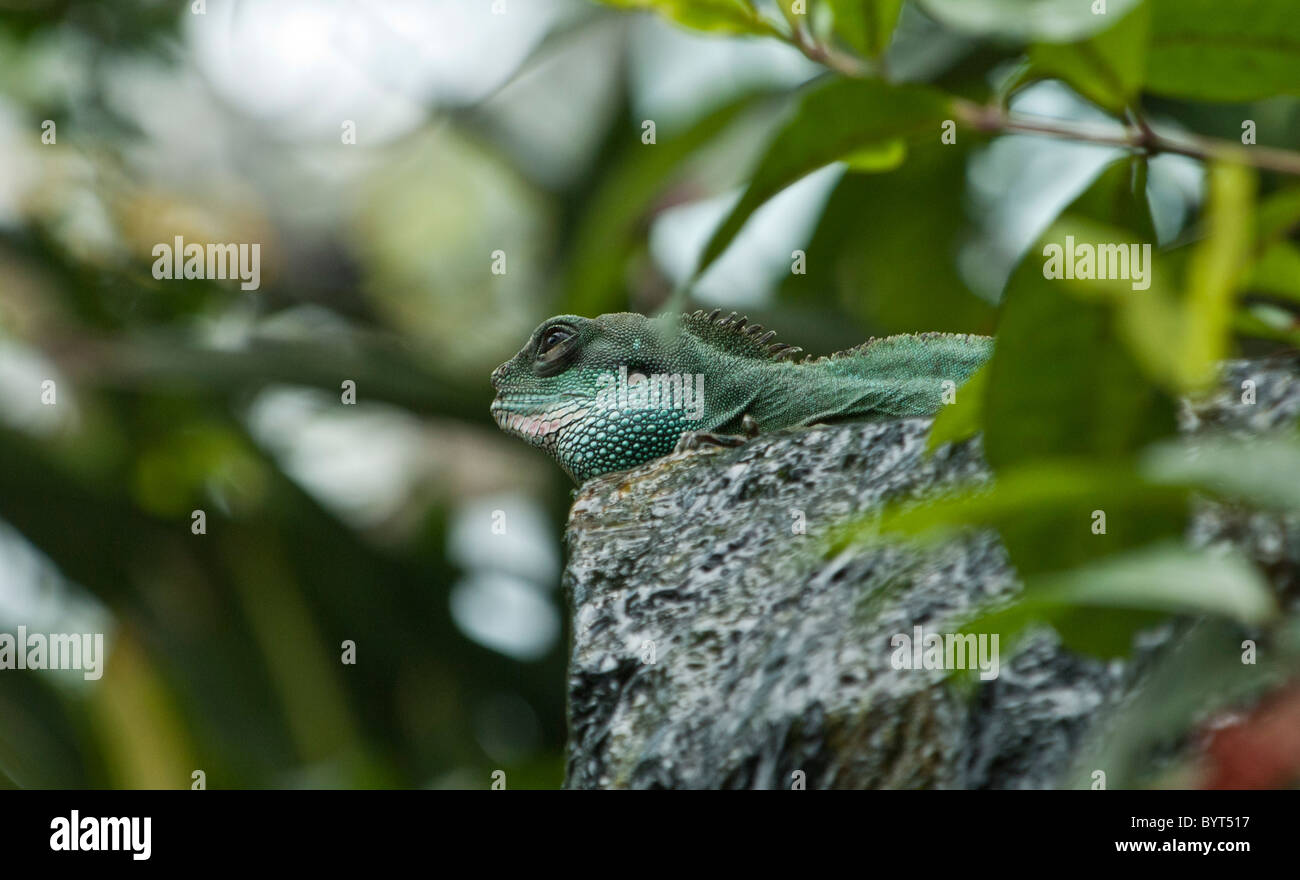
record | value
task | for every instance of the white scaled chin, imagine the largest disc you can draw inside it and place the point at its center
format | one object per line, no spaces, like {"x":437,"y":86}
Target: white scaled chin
{"x":533,"y":424}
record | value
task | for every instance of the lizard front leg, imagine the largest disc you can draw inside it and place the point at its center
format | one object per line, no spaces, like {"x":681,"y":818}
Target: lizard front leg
{"x":699,"y":439}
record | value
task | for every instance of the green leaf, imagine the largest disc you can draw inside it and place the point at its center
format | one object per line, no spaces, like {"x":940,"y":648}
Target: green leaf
{"x":1217,"y":51}
{"x":832,"y":122}
{"x":726,"y":16}
{"x":1278,"y":215}
{"x":963,"y":418}
{"x":1178,"y":341}
{"x":1062,"y":381}
{"x":878,"y":157}
{"x":614,"y":223}
{"x":1098,"y":631}
{"x":1215,"y":271}
{"x":1267,"y":321}
{"x":1277,"y":272}
{"x":872,"y":219}
{"x":1029,"y":20}
{"x":1046,"y":513}
{"x":1276,"y":267}
{"x":1107,"y":69}
{"x":1150,"y":322}
{"x":1166,"y":578}
{"x":1027,"y":491}
{"x":1118,"y":197}
{"x":1162,"y":579}
{"x":1263,"y":471}
{"x":866,"y":25}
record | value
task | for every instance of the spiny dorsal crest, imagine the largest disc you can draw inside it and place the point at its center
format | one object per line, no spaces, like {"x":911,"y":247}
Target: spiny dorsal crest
{"x":905,"y":339}
{"x":736,"y":335}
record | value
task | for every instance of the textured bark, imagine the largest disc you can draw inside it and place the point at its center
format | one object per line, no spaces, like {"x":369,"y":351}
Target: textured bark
{"x":715,"y":647}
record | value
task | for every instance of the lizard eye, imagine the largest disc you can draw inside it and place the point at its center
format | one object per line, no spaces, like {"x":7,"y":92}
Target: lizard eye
{"x":552,"y":339}
{"x":557,"y":346}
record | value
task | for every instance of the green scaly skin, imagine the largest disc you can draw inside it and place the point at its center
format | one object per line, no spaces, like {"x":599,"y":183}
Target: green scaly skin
{"x":559,"y":392}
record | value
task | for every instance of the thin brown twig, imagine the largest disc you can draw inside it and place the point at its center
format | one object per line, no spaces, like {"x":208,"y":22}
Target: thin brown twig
{"x":825,"y":55}
{"x":1138,"y":135}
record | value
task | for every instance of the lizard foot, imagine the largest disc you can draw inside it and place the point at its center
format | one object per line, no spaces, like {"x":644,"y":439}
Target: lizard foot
{"x":700,"y":439}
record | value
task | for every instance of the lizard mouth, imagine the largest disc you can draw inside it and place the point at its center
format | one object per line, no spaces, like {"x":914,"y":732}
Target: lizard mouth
{"x":534,"y":421}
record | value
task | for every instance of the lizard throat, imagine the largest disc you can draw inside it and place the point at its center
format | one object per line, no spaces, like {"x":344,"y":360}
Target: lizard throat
{"x":539,"y":425}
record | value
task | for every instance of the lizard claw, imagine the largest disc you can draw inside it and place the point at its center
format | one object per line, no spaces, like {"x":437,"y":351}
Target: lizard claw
{"x":699,"y":439}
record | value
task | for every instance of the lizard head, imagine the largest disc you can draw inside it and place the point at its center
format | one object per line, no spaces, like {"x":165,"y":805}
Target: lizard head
{"x":561,"y":392}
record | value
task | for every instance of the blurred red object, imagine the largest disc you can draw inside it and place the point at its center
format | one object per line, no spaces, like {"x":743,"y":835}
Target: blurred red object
{"x":1259,"y":749}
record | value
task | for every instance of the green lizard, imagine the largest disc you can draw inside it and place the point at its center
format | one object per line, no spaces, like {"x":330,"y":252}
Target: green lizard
{"x":609,"y":393}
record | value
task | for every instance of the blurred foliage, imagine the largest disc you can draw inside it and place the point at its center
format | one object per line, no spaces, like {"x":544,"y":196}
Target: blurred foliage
{"x":328,"y":523}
